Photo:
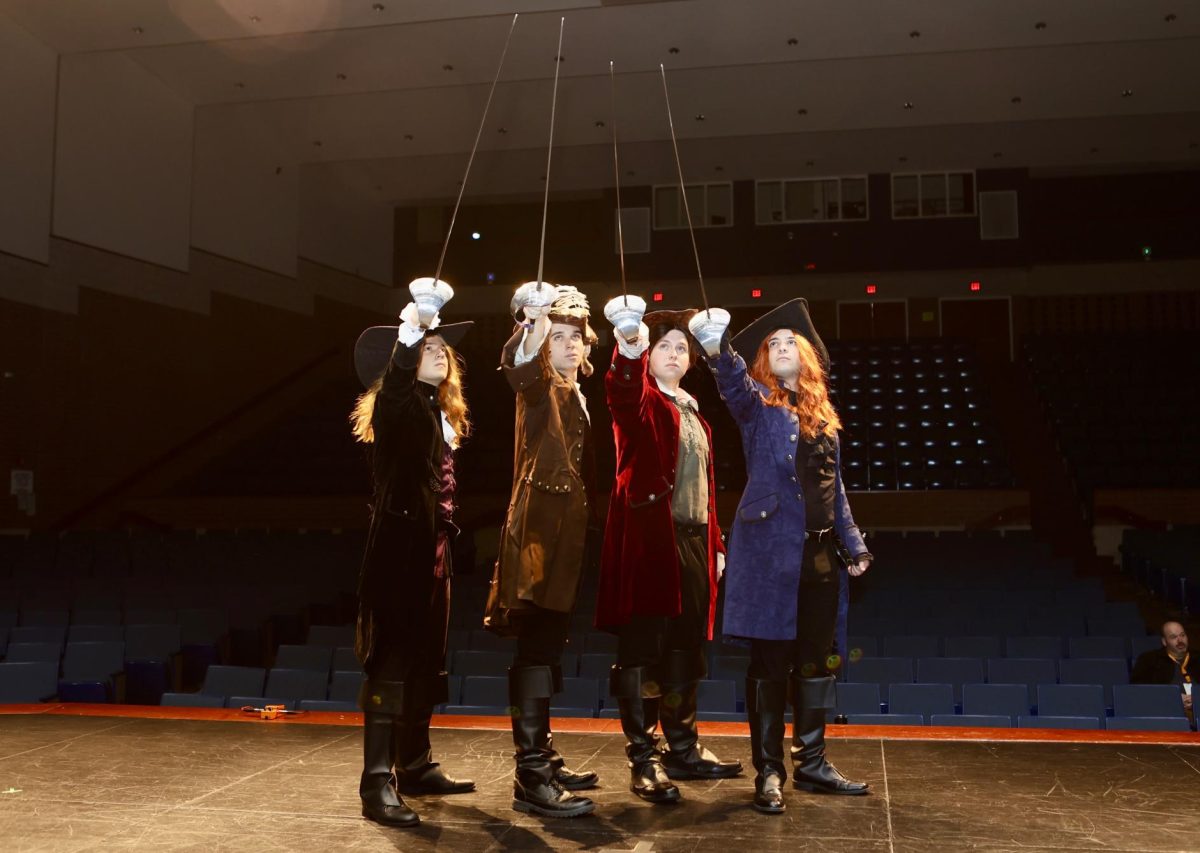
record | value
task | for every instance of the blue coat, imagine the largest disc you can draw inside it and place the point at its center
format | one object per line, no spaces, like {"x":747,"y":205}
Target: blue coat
{"x":766,"y":544}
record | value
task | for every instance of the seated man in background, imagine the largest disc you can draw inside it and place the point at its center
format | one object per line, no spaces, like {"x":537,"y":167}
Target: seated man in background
{"x":1169,"y":665}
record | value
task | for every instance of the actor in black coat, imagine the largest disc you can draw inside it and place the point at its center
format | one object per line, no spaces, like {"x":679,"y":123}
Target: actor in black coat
{"x":404,"y":584}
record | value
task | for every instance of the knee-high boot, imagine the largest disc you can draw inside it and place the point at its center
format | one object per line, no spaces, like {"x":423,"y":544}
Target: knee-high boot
{"x":416,"y":771}
{"x":382,"y":702}
{"x":765,"y":701}
{"x":685,"y":757}
{"x":637,"y":697}
{"x":535,"y":788}
{"x":572,"y":780}
{"x":812,"y":698}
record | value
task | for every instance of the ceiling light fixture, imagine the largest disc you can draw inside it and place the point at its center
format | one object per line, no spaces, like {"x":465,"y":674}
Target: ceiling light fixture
{"x":719,"y":168}
{"x":903,"y":159}
{"x":1127,"y":93}
{"x":239,"y":85}
{"x":317,"y":143}
{"x":408,"y":137}
{"x":598,"y":123}
{"x":341,"y":76}
{"x":915,"y":34}
{"x":802,"y":112}
{"x":1040,"y":25}
{"x":1016,"y":99}
{"x":810,"y":162}
{"x":502,"y":130}
{"x":699,"y":116}
{"x":908,"y":105}
{"x":447,"y":67}
{"x":792,"y":42}
{"x":378,"y":7}
{"x":1170,"y":17}
{"x":560,"y":58}
{"x":674,"y":51}
{"x":139,"y":30}
{"x":254,"y":19}
{"x":996,"y":155}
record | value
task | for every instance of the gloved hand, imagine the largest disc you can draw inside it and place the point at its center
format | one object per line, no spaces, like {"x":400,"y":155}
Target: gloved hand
{"x":410,"y":323}
{"x":859,"y":566}
{"x":531,"y":301}
{"x":708,"y":327}
{"x":720,"y":567}
{"x":430,"y":295}
{"x":625,"y":313}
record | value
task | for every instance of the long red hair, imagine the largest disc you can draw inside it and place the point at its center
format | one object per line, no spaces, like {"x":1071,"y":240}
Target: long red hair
{"x":813,"y":407}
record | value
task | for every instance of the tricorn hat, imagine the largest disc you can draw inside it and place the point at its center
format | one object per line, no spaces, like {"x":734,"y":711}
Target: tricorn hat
{"x":790,"y":315}
{"x":375,"y":345}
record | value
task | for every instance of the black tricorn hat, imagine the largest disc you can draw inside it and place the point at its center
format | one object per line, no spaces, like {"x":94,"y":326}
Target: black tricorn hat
{"x":790,"y":315}
{"x":375,"y":345}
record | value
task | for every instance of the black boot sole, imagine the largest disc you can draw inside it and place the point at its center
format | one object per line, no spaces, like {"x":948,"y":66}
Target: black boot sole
{"x":667,"y":797}
{"x":531,"y":808}
{"x":382,"y":821}
{"x":820,"y":789}
{"x":769,"y":809}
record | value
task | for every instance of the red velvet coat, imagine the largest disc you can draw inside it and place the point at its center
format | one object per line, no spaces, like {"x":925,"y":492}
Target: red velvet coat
{"x":639,"y":569}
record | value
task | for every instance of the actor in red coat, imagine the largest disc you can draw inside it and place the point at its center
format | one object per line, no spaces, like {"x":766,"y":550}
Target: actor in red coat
{"x":659,"y":565}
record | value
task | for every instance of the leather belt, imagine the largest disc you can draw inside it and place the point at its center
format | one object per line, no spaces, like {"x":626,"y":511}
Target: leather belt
{"x":819,"y":535}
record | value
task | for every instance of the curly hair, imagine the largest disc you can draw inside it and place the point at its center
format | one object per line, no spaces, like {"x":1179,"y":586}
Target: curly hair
{"x":813,"y":407}
{"x":450,"y":397}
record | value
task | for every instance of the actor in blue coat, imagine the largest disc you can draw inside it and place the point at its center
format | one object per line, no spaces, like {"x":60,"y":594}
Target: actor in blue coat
{"x":789,"y":549}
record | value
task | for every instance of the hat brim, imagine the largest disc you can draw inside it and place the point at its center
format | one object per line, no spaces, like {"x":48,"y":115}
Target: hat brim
{"x":790,"y":315}
{"x":374,"y":347}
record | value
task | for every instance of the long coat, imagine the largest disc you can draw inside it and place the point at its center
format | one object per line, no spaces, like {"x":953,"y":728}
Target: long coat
{"x":397,"y":578}
{"x":543,"y":544}
{"x":766,"y":543}
{"x":639,"y":566}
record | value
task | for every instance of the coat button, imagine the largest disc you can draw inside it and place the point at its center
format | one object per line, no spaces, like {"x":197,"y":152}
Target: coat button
{"x":799,"y":497}
{"x":793,"y":479}
{"x":789,"y":459}
{"x":762,"y":514}
{"x":792,"y":437}
{"x":652,"y":497}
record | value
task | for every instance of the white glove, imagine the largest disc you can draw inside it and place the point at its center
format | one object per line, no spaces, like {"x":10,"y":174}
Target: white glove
{"x":633,"y":349}
{"x":410,"y":330}
{"x":531,"y":301}
{"x":625,"y":313}
{"x":720,"y":566}
{"x":430,"y":295}
{"x":708,"y":327}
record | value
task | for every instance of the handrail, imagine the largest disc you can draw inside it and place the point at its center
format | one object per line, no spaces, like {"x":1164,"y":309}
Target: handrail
{"x":204,"y":433}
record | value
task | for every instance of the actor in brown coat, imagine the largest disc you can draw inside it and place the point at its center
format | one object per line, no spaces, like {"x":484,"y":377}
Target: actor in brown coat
{"x":542,"y":545}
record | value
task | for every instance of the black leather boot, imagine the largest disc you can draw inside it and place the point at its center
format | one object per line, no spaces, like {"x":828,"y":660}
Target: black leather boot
{"x":381,"y":702}
{"x":765,"y":701}
{"x":811,"y":770}
{"x":416,"y":771}
{"x":570,"y":779}
{"x":535,"y":788}
{"x":685,"y":757}
{"x":636,"y":694}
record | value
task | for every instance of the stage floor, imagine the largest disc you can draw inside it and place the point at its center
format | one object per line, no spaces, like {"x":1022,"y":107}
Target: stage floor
{"x":72,"y":782}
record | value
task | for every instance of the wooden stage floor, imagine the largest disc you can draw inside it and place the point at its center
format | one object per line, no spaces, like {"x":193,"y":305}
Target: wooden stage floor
{"x":76,"y":778}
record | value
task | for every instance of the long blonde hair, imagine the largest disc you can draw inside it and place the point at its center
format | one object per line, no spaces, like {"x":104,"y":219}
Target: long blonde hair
{"x":813,"y":407}
{"x":450,"y":398}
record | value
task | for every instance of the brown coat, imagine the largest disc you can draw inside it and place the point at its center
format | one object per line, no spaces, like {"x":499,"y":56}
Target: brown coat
{"x":542,"y":546}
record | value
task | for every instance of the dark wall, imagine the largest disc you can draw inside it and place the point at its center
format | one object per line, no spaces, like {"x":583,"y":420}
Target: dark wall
{"x":1076,"y":219}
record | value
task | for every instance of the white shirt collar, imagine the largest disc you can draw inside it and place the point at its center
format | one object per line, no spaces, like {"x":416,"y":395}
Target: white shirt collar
{"x":684,"y":398}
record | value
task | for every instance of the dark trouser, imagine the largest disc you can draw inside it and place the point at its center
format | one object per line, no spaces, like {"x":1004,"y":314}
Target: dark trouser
{"x":810,"y":654}
{"x":406,"y":676}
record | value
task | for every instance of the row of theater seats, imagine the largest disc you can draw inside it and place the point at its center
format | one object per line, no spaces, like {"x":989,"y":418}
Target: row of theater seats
{"x":1131,"y":384}
{"x":915,"y":416}
{"x":1164,"y":562}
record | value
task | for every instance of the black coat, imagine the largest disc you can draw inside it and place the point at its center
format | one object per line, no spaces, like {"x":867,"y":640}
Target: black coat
{"x":1157,"y":667}
{"x":397,"y":575}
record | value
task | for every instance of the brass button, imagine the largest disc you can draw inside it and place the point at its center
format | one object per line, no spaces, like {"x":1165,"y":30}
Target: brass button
{"x":762,"y":514}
